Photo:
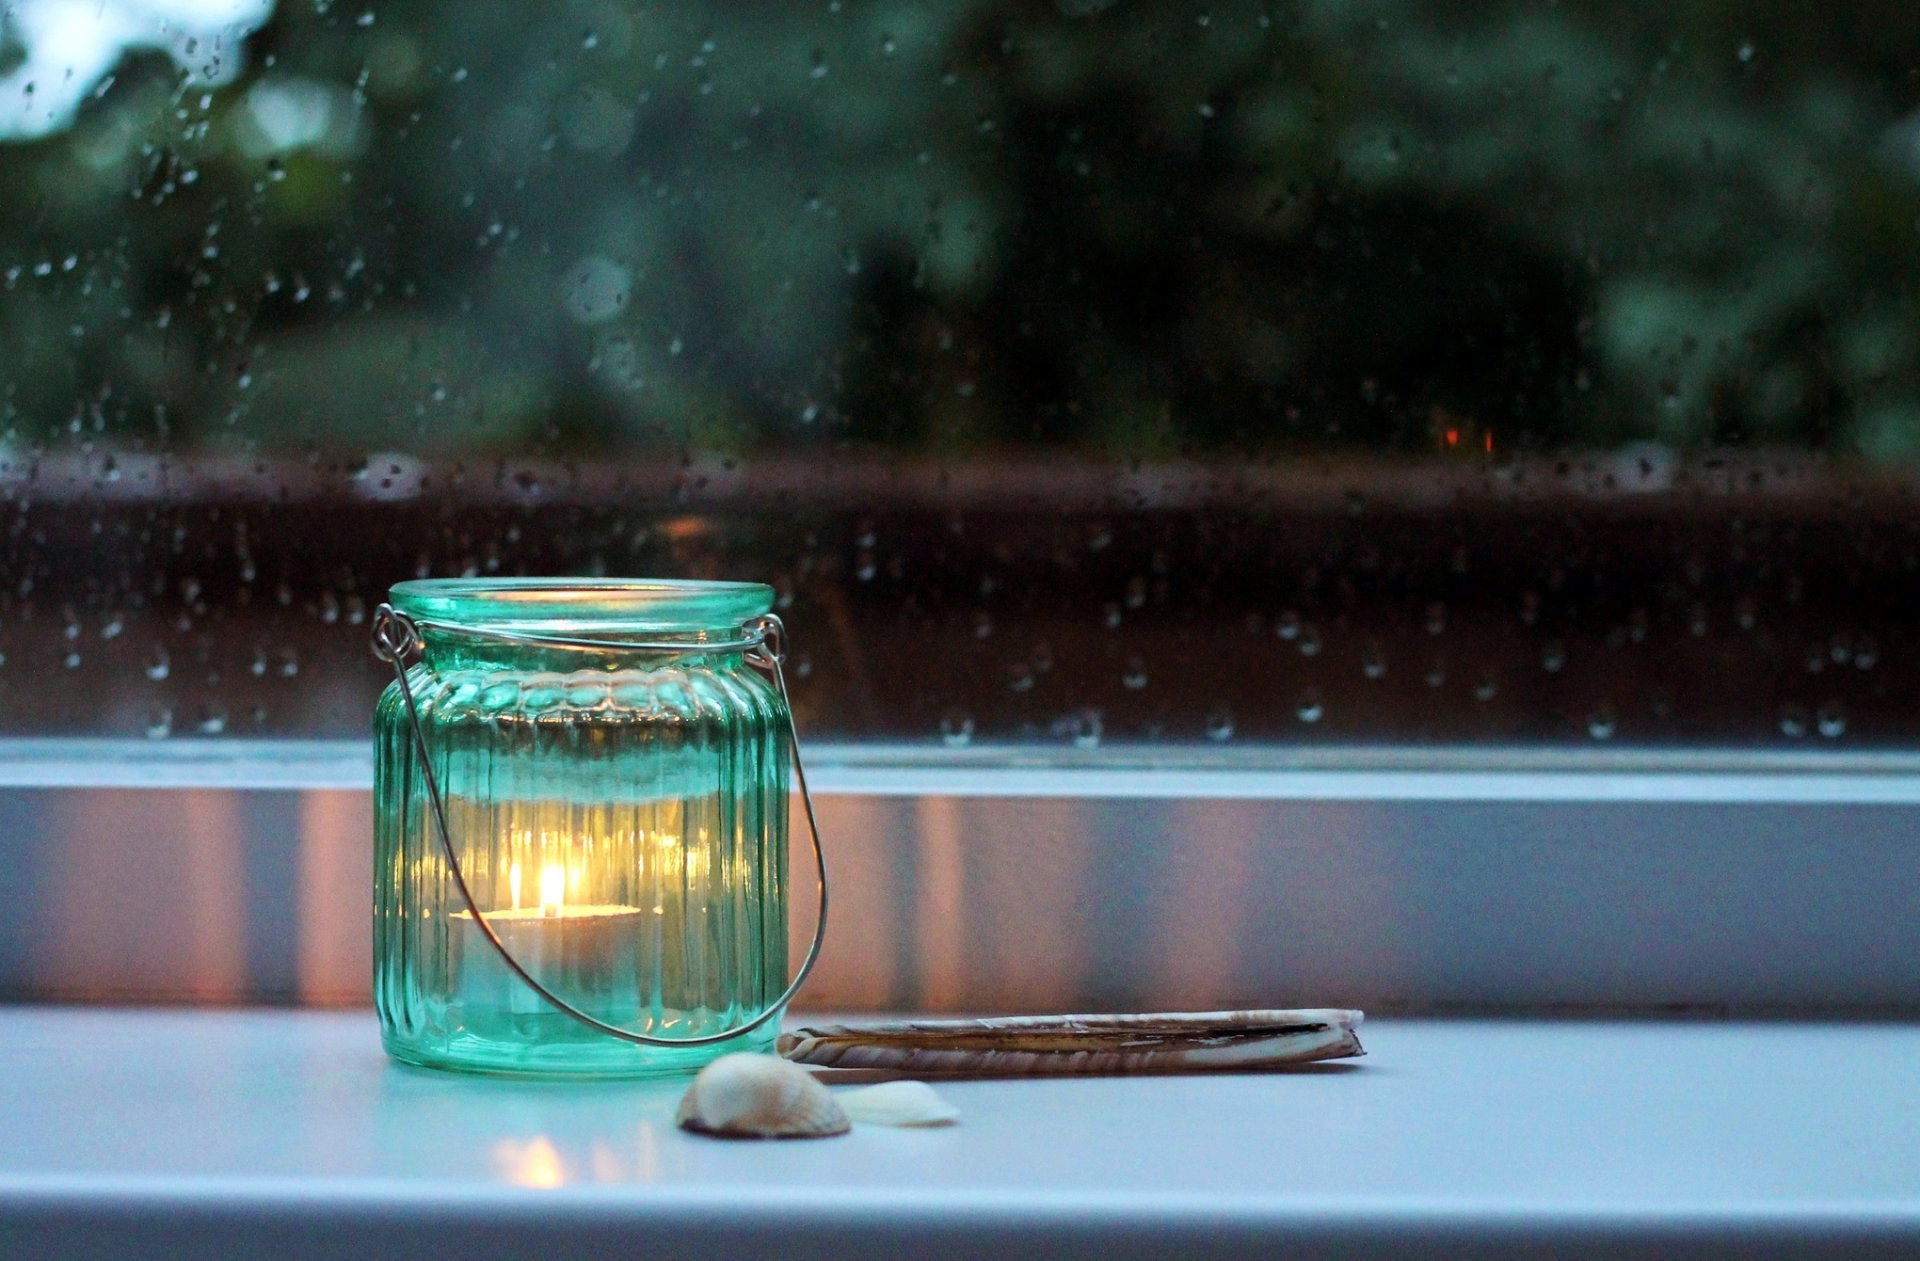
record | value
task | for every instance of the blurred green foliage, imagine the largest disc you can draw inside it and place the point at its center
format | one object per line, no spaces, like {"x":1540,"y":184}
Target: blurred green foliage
{"x":1141,"y":228}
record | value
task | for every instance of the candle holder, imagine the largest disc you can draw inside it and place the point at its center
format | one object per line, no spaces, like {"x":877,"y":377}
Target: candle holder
{"x":580,"y":839}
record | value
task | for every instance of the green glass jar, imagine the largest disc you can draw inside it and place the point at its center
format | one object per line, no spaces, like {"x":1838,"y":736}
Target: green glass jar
{"x":611,"y":773}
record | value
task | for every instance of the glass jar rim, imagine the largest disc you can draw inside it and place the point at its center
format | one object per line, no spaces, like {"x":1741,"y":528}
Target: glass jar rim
{"x":604,"y":605}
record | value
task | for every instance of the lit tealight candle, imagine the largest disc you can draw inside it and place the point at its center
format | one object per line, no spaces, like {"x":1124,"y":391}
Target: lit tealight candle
{"x":586,"y":953}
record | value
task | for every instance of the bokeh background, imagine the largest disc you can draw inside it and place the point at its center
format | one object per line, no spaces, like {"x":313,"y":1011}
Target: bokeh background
{"x":1081,"y":372}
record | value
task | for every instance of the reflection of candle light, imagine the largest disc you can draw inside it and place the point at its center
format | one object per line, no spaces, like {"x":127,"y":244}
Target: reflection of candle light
{"x":513,"y":882}
{"x":535,"y":1163}
{"x":553,"y":889}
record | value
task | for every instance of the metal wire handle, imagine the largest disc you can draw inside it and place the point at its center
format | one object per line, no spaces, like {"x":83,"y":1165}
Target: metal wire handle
{"x":763,"y":641}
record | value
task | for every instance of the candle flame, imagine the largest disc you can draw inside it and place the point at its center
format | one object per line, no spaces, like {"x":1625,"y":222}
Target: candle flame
{"x":553,"y":889}
{"x":513,"y":882}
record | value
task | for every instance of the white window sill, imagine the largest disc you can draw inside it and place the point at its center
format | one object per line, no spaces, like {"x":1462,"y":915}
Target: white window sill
{"x":161,"y":1134}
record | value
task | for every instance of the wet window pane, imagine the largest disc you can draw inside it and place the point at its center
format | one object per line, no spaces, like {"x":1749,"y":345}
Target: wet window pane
{"x":1080,"y":373}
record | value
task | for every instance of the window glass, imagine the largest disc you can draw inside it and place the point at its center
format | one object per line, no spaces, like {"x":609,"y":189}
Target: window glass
{"x":1080,"y":372}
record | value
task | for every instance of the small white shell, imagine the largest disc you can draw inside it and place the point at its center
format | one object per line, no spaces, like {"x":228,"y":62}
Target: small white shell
{"x":897,"y":1103}
{"x":760,"y":1096}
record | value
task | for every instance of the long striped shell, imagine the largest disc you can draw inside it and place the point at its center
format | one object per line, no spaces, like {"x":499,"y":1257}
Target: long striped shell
{"x":1167,"y":1042}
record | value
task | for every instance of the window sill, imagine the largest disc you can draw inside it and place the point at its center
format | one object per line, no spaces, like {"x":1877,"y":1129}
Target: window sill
{"x":140,"y":1134}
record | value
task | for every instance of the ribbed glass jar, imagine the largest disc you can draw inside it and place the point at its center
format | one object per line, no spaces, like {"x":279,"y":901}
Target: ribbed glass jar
{"x":619,"y":815}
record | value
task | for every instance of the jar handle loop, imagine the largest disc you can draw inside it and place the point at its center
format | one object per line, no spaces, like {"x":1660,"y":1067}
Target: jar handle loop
{"x":762,"y":640}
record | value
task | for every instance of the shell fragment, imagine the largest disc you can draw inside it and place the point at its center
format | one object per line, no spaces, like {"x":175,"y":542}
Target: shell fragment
{"x":909,"y":1103}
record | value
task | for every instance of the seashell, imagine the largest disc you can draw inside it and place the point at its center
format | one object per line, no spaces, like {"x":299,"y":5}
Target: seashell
{"x":760,"y":1096}
{"x":1167,"y":1042}
{"x":897,"y":1103}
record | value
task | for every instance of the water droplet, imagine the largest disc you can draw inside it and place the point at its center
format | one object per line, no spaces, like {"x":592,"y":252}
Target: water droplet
{"x":1436,"y":618}
{"x":1287,"y":625}
{"x":1486,"y":689}
{"x":1309,"y":708}
{"x":1083,"y":726}
{"x":1745,"y":53}
{"x":1020,"y":677}
{"x":72,"y":661}
{"x":160,"y":723}
{"x":1136,"y":676}
{"x":159,"y":665}
{"x":1220,"y":723}
{"x":1866,"y":653}
{"x":1601,"y":722}
{"x":1309,"y":640}
{"x":1373,"y":663}
{"x":213,"y":721}
{"x":1553,"y":656}
{"x":1832,"y":718}
{"x":1793,"y":721}
{"x":956,"y":730}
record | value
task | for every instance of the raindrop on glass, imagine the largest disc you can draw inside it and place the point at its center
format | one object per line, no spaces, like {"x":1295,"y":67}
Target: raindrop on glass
{"x":956,"y":730}
{"x":1084,"y":727}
